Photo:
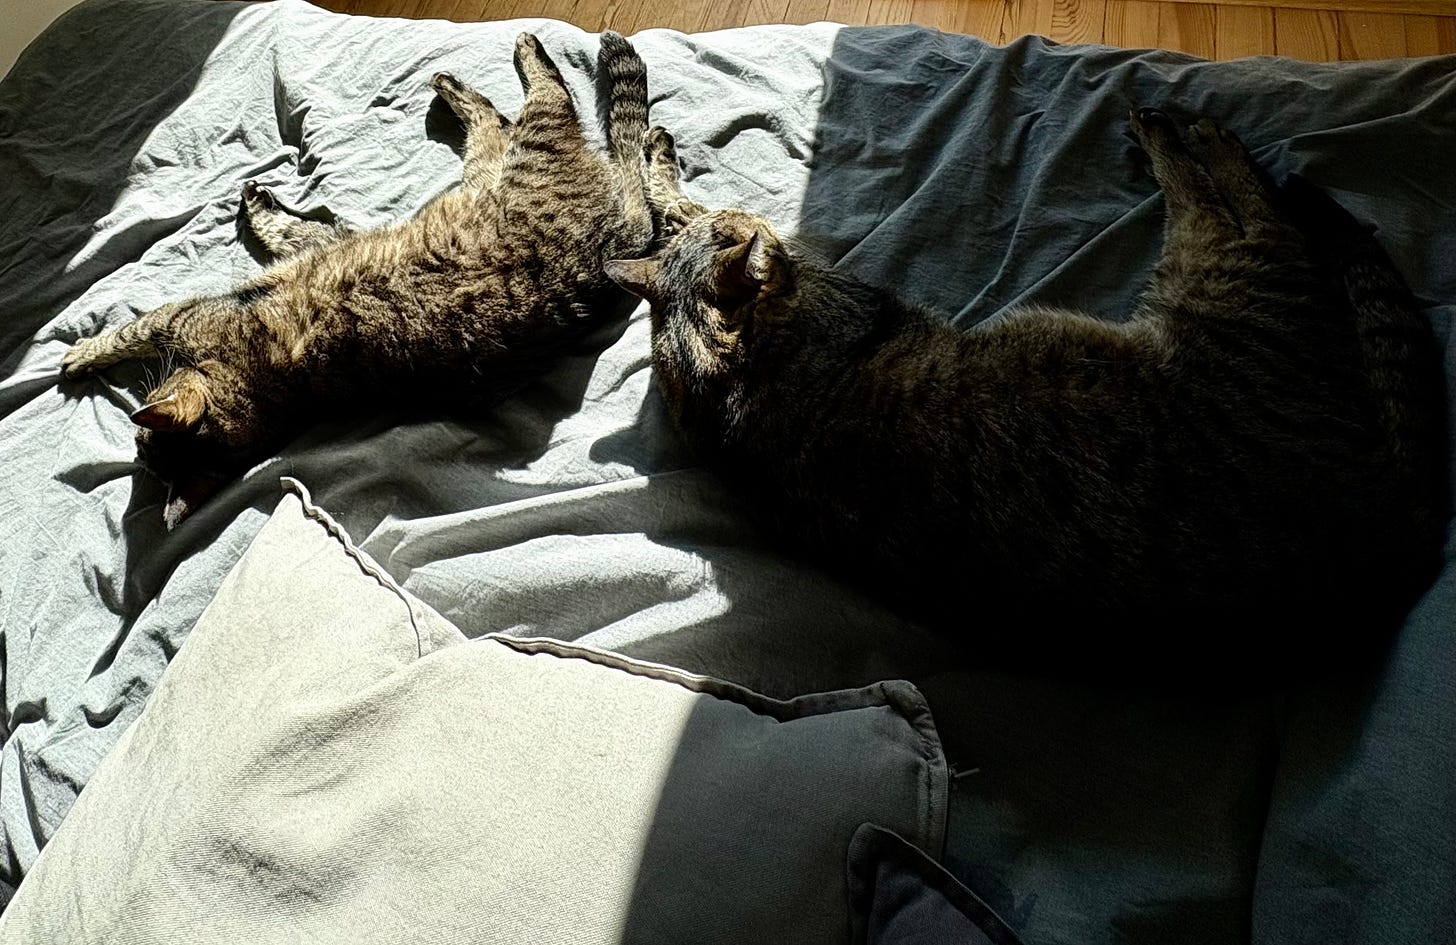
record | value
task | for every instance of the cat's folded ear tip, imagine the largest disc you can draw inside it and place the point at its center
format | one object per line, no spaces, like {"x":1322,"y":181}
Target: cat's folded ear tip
{"x":616,"y":269}
{"x":171,"y":414}
{"x":635,"y":275}
{"x":149,"y":415}
{"x":764,"y":261}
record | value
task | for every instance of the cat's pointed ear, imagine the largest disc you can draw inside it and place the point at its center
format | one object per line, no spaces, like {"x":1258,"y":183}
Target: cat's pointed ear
{"x":741,"y":272}
{"x":638,"y":276}
{"x":177,"y":412}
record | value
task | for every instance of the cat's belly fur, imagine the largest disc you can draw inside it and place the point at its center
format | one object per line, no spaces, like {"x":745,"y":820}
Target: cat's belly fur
{"x":431,"y":315}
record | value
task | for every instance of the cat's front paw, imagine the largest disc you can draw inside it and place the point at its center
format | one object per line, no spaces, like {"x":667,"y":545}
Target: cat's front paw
{"x":78,"y":361}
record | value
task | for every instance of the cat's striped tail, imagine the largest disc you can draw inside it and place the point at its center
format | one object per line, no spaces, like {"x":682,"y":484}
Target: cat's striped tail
{"x":1402,"y":362}
{"x":627,"y":121}
{"x":627,"y":96}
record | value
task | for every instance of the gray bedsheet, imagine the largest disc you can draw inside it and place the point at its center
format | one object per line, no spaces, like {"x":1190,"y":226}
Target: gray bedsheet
{"x":965,"y":175}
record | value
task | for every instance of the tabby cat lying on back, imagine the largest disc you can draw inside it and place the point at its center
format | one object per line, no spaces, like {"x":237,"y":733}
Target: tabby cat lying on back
{"x":1258,"y":448}
{"x":454,"y":306}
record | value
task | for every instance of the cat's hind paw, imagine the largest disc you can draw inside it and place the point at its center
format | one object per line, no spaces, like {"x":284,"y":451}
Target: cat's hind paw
{"x":258,"y":197}
{"x":658,"y":146}
{"x":533,"y":66}
{"x":1213,"y":144}
{"x":448,"y":87}
{"x":1153,"y":129}
{"x":467,"y":104}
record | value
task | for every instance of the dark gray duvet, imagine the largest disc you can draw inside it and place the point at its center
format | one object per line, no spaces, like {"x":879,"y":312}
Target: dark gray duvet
{"x":964,"y":175}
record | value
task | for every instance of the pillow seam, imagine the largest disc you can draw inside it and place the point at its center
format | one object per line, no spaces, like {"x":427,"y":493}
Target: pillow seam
{"x":366,"y":564}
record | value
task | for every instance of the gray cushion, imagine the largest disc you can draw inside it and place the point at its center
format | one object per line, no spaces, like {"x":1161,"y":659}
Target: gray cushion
{"x":327,"y":759}
{"x":901,"y":896}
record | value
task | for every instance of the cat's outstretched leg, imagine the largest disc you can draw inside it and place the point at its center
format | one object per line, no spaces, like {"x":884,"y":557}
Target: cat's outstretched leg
{"x":283,"y":233}
{"x":135,"y":339}
{"x":1401,"y":360}
{"x":546,"y":131}
{"x":486,"y":130}
{"x":1198,"y":221}
{"x":671,"y":208}
{"x":548,"y":109}
{"x":1239,"y":182}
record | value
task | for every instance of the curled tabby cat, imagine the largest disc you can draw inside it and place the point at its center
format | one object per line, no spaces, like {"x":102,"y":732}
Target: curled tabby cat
{"x":1258,"y":448}
{"x":456,"y":305}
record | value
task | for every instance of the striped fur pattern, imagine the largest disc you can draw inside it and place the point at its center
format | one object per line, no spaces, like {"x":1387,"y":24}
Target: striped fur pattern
{"x":1250,"y":465}
{"x":446,"y":311}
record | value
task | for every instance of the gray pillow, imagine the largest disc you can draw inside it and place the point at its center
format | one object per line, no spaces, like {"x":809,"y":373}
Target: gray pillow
{"x":329,"y":760}
{"x":901,"y":896}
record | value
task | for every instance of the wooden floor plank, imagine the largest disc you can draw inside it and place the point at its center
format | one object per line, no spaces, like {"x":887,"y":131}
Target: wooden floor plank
{"x":1022,"y":17}
{"x":981,"y":18}
{"x":851,"y":12}
{"x":807,"y":11}
{"x":1420,"y":35}
{"x":1132,"y":24}
{"x":563,"y":10}
{"x":1078,"y":21}
{"x":1371,"y":36}
{"x":681,"y":15}
{"x":1404,"y":7}
{"x":1244,"y":31}
{"x":435,"y":10}
{"x":1230,"y":29}
{"x":718,"y":16}
{"x":1423,"y":36}
{"x":1313,"y":35}
{"x":889,"y":12}
{"x":623,"y":17}
{"x":944,"y":15}
{"x":760,"y":12}
{"x":1188,"y":27}
{"x":466,"y":11}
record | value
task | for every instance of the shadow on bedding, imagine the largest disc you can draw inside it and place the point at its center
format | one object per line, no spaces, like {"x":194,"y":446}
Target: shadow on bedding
{"x":1087,"y":816}
{"x":67,"y":149}
{"x":1000,"y":176}
{"x":1085,"y":812}
{"x":974,"y":178}
{"x":66,"y":154}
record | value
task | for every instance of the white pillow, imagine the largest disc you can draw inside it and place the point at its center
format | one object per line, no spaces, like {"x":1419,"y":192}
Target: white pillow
{"x":329,"y":760}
